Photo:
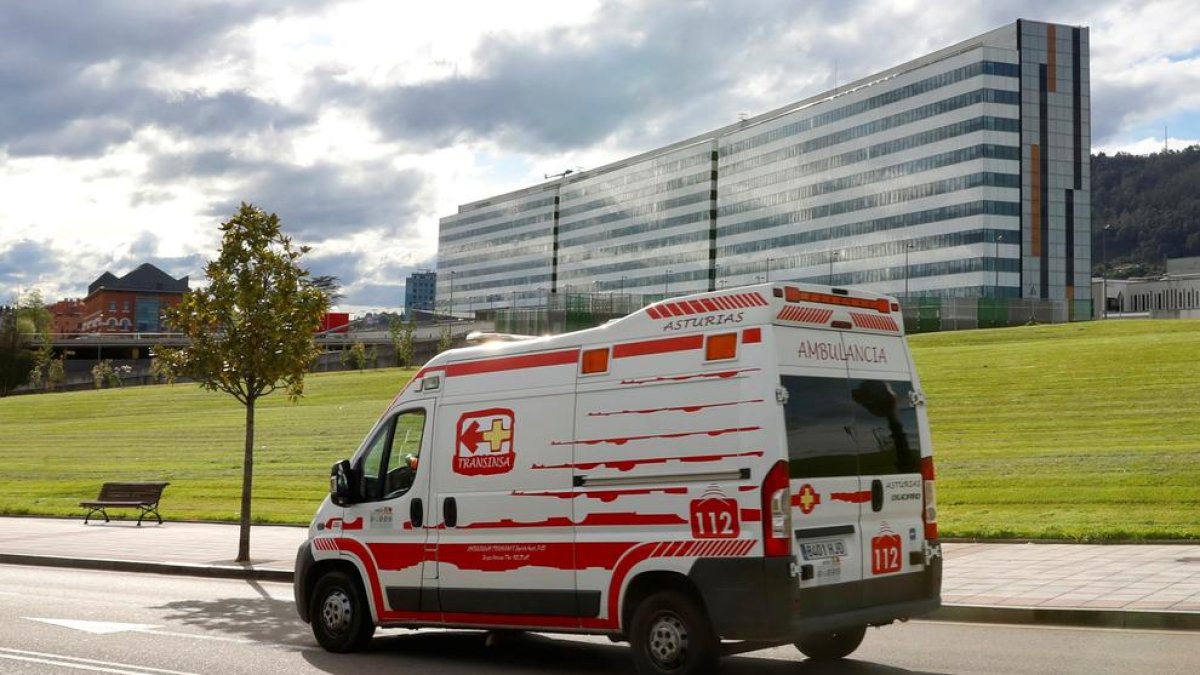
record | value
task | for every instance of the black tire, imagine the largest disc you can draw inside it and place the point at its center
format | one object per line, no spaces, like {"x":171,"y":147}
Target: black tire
{"x":834,"y":644}
{"x":671,"y":635}
{"x":340,"y":615}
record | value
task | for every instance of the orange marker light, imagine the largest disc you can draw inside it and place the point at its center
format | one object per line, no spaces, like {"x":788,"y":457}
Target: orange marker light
{"x":720,"y":347}
{"x":595,"y":361}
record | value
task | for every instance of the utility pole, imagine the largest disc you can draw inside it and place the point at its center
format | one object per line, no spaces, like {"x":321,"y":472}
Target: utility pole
{"x":1104,"y":270}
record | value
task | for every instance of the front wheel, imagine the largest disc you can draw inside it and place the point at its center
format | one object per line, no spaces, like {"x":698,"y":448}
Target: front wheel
{"x":833,"y":644}
{"x":671,"y":635}
{"x":341,"y":619}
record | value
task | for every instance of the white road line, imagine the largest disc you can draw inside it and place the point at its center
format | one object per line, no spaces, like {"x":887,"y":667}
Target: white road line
{"x":92,"y":665}
{"x":216,"y":638}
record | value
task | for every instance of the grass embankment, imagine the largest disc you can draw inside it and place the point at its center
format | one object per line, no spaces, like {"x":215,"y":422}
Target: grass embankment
{"x":1084,"y":431}
{"x":58,"y":449}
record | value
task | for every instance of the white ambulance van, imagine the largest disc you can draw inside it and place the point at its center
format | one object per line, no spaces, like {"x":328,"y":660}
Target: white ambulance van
{"x":712,"y":474}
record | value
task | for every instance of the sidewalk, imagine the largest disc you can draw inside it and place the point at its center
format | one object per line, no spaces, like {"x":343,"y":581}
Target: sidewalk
{"x":1135,"y":586}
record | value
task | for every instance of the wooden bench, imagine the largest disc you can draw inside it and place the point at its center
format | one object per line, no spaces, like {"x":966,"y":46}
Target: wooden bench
{"x":141,"y":496}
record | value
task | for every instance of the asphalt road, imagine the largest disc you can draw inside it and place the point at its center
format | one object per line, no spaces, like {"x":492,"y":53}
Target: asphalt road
{"x":69,"y":621}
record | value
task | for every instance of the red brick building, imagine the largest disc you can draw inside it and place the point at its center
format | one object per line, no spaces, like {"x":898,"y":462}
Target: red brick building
{"x":132,"y":303}
{"x":68,"y":316}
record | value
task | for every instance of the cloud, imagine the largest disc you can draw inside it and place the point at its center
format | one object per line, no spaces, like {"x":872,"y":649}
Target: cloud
{"x":79,"y":78}
{"x":25,"y":265}
{"x":328,"y":202}
{"x":375,"y":295}
{"x":647,"y":74}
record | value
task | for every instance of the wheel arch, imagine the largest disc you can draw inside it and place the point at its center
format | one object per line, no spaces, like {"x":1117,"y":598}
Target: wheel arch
{"x":351,"y":568}
{"x":643,"y":585}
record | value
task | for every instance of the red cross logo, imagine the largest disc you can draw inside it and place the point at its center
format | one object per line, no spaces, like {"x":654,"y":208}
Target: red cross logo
{"x":807,"y":499}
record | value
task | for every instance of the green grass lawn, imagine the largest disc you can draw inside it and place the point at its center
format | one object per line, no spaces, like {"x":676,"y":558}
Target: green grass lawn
{"x":58,"y":449}
{"x":1084,"y":431}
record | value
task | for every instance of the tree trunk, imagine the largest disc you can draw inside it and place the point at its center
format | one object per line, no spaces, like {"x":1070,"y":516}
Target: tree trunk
{"x":243,"y":555}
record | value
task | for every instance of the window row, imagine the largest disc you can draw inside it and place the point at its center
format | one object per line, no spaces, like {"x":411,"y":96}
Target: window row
{"x":789,"y":198}
{"x":638,"y":228}
{"x":502,"y":226}
{"x":705,"y":179}
{"x":950,"y":212}
{"x":866,"y":178}
{"x":910,"y":116}
{"x":453,"y":223}
{"x":986,"y":123}
{"x":657,"y":170}
{"x":915,"y":271}
{"x":658,"y":262}
{"x":704,"y":199}
{"x":577,"y":254}
{"x":884,"y":99}
{"x":887,"y":249}
{"x":493,"y":250}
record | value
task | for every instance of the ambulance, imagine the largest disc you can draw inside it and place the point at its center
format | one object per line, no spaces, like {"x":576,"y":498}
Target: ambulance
{"x":712,"y":474}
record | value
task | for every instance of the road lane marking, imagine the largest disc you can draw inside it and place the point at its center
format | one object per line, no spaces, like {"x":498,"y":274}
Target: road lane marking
{"x":216,"y":638}
{"x":111,"y":627}
{"x":76,"y":663}
{"x":95,"y":627}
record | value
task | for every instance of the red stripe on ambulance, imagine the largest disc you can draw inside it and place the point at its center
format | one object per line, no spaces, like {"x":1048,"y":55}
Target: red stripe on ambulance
{"x":629,"y":464}
{"x":559,"y":358}
{"x":622,"y":440}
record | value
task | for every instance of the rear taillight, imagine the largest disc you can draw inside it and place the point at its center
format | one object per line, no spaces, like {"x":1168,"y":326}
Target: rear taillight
{"x":929,"y":500}
{"x":777,"y":512}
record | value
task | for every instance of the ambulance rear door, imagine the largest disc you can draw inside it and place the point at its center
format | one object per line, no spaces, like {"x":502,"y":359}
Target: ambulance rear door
{"x":888,"y":433}
{"x":823,"y":462}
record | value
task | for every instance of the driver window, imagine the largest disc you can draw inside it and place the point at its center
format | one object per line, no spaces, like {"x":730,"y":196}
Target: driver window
{"x":373,"y":462}
{"x":389,"y":465}
{"x":406,"y":447}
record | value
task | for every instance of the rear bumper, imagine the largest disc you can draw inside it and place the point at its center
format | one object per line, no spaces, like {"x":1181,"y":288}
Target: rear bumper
{"x":758,"y":599}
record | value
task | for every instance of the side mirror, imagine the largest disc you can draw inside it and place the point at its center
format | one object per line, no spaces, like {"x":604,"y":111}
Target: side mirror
{"x":341,"y":483}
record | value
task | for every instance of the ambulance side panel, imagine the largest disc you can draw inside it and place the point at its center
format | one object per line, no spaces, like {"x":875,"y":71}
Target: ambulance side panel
{"x":670,"y":450}
{"x":503,"y":516}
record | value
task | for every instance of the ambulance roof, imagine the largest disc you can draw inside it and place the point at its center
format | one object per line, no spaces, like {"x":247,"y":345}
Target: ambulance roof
{"x":780,"y":303}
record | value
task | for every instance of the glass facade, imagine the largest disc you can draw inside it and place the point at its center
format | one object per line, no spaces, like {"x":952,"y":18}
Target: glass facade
{"x":960,"y":174}
{"x":644,"y":228}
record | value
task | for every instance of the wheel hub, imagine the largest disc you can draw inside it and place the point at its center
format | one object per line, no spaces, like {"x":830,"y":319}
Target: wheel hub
{"x":668,"y":640}
{"x":337,"y":611}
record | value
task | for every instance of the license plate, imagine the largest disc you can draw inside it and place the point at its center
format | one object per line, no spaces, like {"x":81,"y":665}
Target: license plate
{"x":823,"y":549}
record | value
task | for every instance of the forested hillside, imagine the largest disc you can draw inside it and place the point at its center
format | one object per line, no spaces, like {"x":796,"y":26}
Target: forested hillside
{"x":1152,"y":205}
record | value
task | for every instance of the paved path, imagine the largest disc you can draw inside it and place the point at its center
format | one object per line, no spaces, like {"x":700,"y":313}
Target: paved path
{"x":1116,"y":585}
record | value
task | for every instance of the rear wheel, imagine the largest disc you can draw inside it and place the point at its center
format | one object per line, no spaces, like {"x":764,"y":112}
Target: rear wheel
{"x":341,"y":618}
{"x":831,"y":644}
{"x":671,"y":635}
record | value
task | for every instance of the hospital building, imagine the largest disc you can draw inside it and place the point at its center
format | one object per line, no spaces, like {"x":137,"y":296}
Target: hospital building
{"x":961,"y":174}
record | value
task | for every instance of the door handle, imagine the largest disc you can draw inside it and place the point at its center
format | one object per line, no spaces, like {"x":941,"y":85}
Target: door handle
{"x":416,"y":512}
{"x":450,"y":512}
{"x":876,"y":495}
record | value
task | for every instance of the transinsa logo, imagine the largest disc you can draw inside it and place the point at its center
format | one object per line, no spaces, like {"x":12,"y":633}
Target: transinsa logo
{"x":484,"y":443}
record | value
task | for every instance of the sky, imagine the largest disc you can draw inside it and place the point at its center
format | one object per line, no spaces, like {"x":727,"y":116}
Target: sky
{"x":130,"y":129}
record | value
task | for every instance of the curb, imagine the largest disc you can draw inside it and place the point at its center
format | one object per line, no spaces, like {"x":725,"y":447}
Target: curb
{"x":1064,"y":616}
{"x":247,"y":572}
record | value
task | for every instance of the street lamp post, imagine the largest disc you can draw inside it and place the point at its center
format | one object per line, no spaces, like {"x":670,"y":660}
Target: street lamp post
{"x":666,"y":283}
{"x":769,"y":270}
{"x":1104,"y":269}
{"x":833,"y":255}
{"x":907,"y":249}
{"x":451,"y":294}
{"x":996,"y":263}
